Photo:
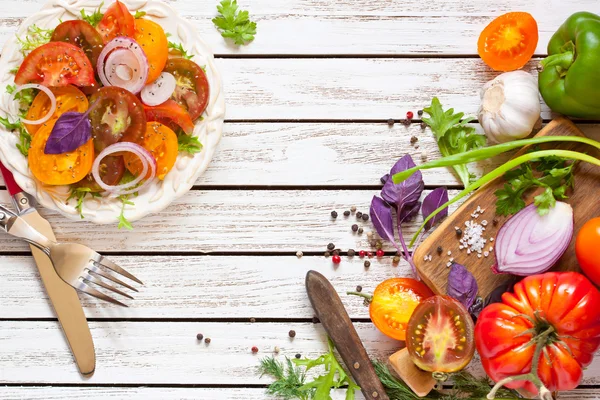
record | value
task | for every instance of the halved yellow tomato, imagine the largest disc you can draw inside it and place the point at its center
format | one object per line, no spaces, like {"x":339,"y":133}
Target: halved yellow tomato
{"x":68,"y":98}
{"x":162,"y":143}
{"x":59,"y":169}
{"x":153,"y":40}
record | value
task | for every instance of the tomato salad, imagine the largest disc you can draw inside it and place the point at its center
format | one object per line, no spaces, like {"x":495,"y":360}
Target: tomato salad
{"x":106,"y":105}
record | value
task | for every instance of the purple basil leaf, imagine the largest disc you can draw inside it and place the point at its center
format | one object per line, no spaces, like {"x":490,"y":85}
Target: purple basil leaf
{"x":409,"y":212}
{"x":462,"y":285}
{"x":381,"y":216}
{"x":384,"y":178}
{"x":403,"y":193}
{"x":71,"y":130}
{"x":432,"y":202}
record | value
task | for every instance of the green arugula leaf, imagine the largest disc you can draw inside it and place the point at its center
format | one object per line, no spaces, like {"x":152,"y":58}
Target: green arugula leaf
{"x":189,"y":144}
{"x":179,"y":49}
{"x":453,"y":135}
{"x":93,"y":18}
{"x":34,"y":38}
{"x":139,"y":14}
{"x":233,"y":24}
{"x":24,"y":136}
{"x":13,"y":70}
{"x":25,"y":96}
{"x":79,"y":193}
{"x":123,"y":222}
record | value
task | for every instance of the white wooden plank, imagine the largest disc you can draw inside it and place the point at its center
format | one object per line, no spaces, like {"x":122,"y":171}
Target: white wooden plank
{"x":168,"y":353}
{"x":353,"y":27}
{"x":141,"y":393}
{"x":204,"y":287}
{"x":231,"y":221}
{"x":345,"y":154}
{"x":146,"y":393}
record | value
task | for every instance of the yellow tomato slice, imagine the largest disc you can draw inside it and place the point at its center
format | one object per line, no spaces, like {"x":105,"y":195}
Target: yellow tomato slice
{"x":68,"y":98}
{"x":162,"y":143}
{"x":59,"y":169}
{"x":153,"y":40}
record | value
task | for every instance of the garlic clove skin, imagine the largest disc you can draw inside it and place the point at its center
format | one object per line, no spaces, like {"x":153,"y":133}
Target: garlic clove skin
{"x":510,"y":106}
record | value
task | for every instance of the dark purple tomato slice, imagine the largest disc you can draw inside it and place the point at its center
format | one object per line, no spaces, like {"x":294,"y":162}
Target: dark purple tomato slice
{"x":81,"y":34}
{"x":192,"y":90}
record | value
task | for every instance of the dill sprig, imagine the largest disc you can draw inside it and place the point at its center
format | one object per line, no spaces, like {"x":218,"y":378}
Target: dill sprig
{"x":289,"y":378}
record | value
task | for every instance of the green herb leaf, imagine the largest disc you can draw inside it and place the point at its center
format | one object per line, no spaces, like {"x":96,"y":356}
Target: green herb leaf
{"x":13,"y":70}
{"x":123,"y":222}
{"x":545,"y":201}
{"x":234,"y":24}
{"x":93,"y":18}
{"x":139,"y":14}
{"x":24,"y":137}
{"x":79,"y":193}
{"x":34,"y":38}
{"x":189,"y":144}
{"x":179,"y":49}
{"x":453,"y":135}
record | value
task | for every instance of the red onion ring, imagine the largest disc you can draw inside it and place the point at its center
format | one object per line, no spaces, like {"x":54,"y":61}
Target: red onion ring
{"x":529,"y":243}
{"x":119,"y":53}
{"x":131,"y":187}
{"x":44,"y":89}
{"x":159,"y":91}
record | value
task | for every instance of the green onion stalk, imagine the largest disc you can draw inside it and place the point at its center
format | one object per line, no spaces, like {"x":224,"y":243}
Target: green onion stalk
{"x":488,"y":152}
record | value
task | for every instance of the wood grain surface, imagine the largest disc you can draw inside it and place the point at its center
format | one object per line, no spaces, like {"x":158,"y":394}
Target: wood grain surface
{"x":306,"y":133}
{"x":435,"y":272}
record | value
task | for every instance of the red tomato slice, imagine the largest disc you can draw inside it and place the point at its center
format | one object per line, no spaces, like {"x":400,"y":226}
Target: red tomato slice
{"x":117,"y":21}
{"x":171,"y":114}
{"x":192,"y":90}
{"x":56,"y":64}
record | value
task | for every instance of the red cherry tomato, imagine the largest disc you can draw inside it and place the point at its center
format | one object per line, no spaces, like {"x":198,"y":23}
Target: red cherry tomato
{"x":587,"y":248}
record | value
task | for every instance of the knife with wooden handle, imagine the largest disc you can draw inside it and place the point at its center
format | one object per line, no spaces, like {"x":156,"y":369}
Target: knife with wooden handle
{"x":332,"y":314}
{"x":63,"y":297}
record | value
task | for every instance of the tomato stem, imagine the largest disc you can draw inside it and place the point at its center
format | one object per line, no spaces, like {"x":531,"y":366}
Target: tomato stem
{"x":532,"y":376}
{"x":366,"y":296}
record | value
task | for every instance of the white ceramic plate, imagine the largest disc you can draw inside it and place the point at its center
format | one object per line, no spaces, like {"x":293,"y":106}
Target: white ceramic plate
{"x":187,"y":169}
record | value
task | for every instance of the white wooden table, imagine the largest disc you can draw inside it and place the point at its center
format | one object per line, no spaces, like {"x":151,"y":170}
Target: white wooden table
{"x":305,"y":133}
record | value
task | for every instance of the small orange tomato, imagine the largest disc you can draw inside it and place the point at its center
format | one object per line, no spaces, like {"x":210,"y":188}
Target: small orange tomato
{"x":68,"y":98}
{"x":162,"y":143}
{"x":153,"y":40}
{"x":586,"y":249}
{"x":393,"y":303}
{"x":509,"y":41}
{"x":59,"y":169}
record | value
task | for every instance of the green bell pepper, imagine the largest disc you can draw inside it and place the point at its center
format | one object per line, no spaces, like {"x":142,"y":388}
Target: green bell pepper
{"x":570,"y":79}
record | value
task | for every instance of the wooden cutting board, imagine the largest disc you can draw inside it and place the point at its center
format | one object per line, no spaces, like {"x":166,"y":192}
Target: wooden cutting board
{"x":585,"y":200}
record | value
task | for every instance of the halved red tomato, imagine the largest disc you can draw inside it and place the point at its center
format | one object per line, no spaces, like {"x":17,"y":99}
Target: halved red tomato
{"x":117,"y":21}
{"x":81,"y":34}
{"x":117,"y":116}
{"x":192,"y":90}
{"x":440,"y":337}
{"x":171,"y":114}
{"x":56,"y":64}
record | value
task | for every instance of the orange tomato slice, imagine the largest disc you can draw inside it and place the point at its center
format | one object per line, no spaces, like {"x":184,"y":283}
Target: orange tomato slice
{"x":509,"y":41}
{"x":153,"y":40}
{"x":68,"y":98}
{"x":162,"y":143}
{"x":59,"y":169}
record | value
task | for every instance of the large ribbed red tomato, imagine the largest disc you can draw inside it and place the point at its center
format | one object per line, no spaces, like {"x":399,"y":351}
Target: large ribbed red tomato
{"x":564,"y":305}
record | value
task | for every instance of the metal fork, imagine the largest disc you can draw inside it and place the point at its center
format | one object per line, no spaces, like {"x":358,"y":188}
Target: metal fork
{"x":78,"y":265}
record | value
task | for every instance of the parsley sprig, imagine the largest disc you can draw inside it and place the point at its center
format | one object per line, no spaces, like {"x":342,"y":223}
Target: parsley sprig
{"x":95,"y":17}
{"x":233,"y":23}
{"x":291,"y":382}
{"x":34,"y":38}
{"x":178,"y":48}
{"x":188,"y":143}
{"x":453,"y":135}
{"x":556,"y":178}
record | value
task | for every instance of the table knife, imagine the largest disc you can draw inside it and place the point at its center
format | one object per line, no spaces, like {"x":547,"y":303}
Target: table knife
{"x":63,"y":297}
{"x":332,"y":314}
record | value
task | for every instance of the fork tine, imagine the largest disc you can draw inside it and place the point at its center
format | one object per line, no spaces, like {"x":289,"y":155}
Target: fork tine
{"x":95,"y":280}
{"x":83,"y":287}
{"x":111,"y":265}
{"x":95,"y":269}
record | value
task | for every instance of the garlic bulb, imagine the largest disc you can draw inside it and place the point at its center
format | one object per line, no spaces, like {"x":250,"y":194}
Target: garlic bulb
{"x":510,"y":106}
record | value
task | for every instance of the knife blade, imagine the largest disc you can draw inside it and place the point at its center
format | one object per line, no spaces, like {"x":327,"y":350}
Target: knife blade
{"x":63,"y":297}
{"x":332,"y":314}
